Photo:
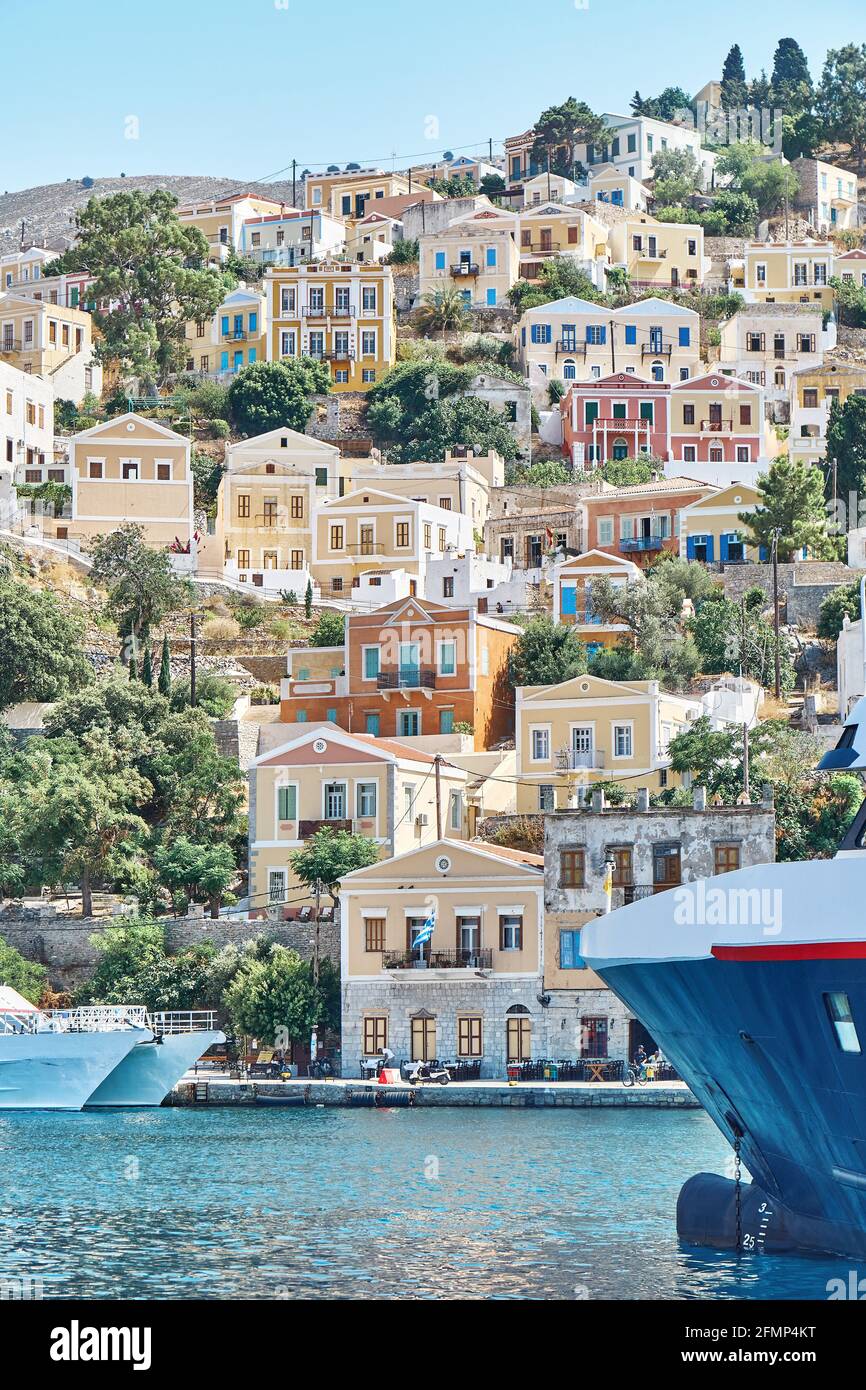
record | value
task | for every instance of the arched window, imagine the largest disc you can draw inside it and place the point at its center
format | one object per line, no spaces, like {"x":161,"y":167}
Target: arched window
{"x":658,"y":371}
{"x":569,"y":372}
{"x":620,"y":449}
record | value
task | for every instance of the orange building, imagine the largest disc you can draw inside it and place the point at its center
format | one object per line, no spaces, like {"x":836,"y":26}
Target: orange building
{"x":410,"y":669}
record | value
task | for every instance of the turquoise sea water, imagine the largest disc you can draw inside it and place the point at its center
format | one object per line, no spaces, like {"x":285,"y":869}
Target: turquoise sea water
{"x":357,"y":1204}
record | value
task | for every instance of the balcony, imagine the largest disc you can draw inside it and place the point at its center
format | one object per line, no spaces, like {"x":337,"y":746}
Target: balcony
{"x":269,"y":520}
{"x":306,"y":828}
{"x":12,"y":345}
{"x":366,"y":548}
{"x":450,"y":958}
{"x":324,"y":311}
{"x":578,"y":759}
{"x":716,"y":426}
{"x":651,"y":253}
{"x":642,"y":543}
{"x":542,"y":248}
{"x":570,"y":347}
{"x":631,"y":893}
{"x":465,"y":268}
{"x":659,"y":347}
{"x":339,"y":354}
{"x":407,"y":678}
{"x":234,"y":335}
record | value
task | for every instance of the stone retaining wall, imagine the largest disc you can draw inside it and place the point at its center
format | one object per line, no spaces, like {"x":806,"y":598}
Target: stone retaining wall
{"x":522,"y":1095}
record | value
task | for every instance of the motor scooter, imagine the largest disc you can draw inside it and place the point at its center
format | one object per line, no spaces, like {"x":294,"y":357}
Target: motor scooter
{"x":428,"y":1072}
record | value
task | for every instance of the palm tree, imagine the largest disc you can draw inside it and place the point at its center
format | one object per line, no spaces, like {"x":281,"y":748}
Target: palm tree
{"x":443,"y":310}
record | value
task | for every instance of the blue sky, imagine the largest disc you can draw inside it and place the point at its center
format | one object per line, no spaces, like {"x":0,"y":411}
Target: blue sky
{"x":238,"y":88}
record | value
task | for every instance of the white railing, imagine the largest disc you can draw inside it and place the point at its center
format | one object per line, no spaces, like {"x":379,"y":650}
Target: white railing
{"x":182,"y":1021}
{"x":97,"y":1018}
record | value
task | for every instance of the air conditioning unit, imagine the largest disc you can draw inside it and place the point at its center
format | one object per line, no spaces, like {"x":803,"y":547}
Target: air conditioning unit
{"x":421,"y":820}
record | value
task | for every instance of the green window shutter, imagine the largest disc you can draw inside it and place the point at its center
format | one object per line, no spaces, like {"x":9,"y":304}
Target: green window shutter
{"x":287,"y":803}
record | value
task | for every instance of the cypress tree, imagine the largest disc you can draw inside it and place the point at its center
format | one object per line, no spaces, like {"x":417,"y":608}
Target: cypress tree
{"x":308,"y":600}
{"x":147,"y":668}
{"x":133,"y":664}
{"x":164,"y":680}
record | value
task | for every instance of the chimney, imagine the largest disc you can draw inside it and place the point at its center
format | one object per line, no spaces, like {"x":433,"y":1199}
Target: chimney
{"x":598,"y":799}
{"x":767,"y":795}
{"x":699,"y":798}
{"x":642,"y":803}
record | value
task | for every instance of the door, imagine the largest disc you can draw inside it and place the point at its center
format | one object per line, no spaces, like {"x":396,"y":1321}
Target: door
{"x":675,"y":276}
{"x":655,"y":340}
{"x":423,"y":1038}
{"x":651,"y":246}
{"x":667,"y":867}
{"x":518,"y":1038}
{"x":546,"y":239}
{"x":410,"y":663}
{"x":715,"y":416}
{"x":468,"y":940}
{"x":367,"y":533}
{"x":582,"y":746}
{"x":409,"y":723}
{"x":335,"y":801}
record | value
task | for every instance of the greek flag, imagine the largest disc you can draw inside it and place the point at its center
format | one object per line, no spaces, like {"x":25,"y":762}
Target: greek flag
{"x":427,"y":930}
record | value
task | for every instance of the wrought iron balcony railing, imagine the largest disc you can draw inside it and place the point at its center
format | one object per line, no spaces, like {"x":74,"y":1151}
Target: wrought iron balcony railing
{"x":574,"y":759}
{"x":570,"y":347}
{"x":450,"y":958}
{"x":465,"y":268}
{"x":407,"y":678}
{"x":642,"y":543}
{"x":657,"y":347}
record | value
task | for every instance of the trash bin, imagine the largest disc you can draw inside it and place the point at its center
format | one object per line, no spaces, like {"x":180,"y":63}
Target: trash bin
{"x":513,"y":1071}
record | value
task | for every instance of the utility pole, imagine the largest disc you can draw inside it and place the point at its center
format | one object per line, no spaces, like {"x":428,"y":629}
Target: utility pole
{"x":746,"y":792}
{"x":294,"y":167}
{"x":193,"y":642}
{"x":490,"y":149}
{"x":438,"y":763}
{"x":314,"y":1031}
{"x":612,"y":325}
{"x":777,"y":688}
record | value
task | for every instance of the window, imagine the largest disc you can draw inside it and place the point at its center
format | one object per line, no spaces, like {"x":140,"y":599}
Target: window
{"x":839,"y":1012}
{"x":374,"y":933}
{"x":366,"y":800}
{"x":622,"y":740}
{"x":409,"y":724}
{"x":810,"y":398}
{"x":446,"y":721}
{"x":428,"y":535}
{"x":402,"y":530}
{"x":469,"y":1036}
{"x":510,"y":931}
{"x":287,"y":803}
{"x":371,"y":724}
{"x":726,"y":858}
{"x":593,"y":1037}
{"x":129,"y":470}
{"x":540,"y":745}
{"x":448,"y":586}
{"x":688,"y":415}
{"x":569,"y":951}
{"x":296,"y":506}
{"x":243,"y":559}
{"x":605,"y":530}
{"x":546,"y":798}
{"x":335,"y":801}
{"x":372,"y":660}
{"x":336,"y":542}
{"x":455,"y":811}
{"x":375,"y":1034}
{"x":276,"y":886}
{"x":572,"y":868}
{"x":745,"y":414}
{"x":447,"y":658}
{"x":94,"y":468}
{"x":368,"y":343}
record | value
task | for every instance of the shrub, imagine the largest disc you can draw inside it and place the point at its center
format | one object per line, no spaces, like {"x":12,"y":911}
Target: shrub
{"x":280,"y":628}
{"x":249,"y":615}
{"x":212,"y":694}
{"x":220,"y":629}
{"x":219,"y":429}
{"x":265,"y":695}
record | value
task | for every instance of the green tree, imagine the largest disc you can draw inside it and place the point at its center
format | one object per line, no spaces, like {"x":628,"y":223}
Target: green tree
{"x":846,"y":447}
{"x":630,"y":472}
{"x":834,"y":607}
{"x":850,"y":302}
{"x":276,"y":998}
{"x":492,"y":185}
{"x":41,"y":655}
{"x":423,"y":407}
{"x":164,"y":682}
{"x":546,"y":653}
{"x":192,"y":872}
{"x":734,"y":92}
{"x":442,"y":311}
{"x":405,"y":252}
{"x":665,"y":106}
{"x":458,"y":186}
{"x":142,"y":587}
{"x":25,"y":976}
{"x":142,"y":261}
{"x":331,"y":854}
{"x":737,"y":636}
{"x":559,"y":129}
{"x":676,"y":175}
{"x":659,"y":645}
{"x":791,"y":505}
{"x":134,"y":965}
{"x":308,"y":600}
{"x":841,"y":98}
{"x":790,"y":83}
{"x":559,"y":278}
{"x":768,"y":182}
{"x":147,"y":668}
{"x":274,"y":395}
{"x":215,"y":695}
{"x":330,"y":630}
{"x":544,"y":473}
{"x":207,"y":475}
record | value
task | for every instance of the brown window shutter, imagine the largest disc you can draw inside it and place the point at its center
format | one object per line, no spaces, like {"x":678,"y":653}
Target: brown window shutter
{"x":520,"y":935}
{"x":501,"y":936}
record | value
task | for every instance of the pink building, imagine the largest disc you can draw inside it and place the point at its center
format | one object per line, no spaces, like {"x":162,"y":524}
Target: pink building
{"x":717,"y":419}
{"x":617,"y":417}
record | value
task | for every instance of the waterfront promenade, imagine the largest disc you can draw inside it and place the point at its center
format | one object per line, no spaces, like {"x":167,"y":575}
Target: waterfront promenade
{"x":222,"y":1090}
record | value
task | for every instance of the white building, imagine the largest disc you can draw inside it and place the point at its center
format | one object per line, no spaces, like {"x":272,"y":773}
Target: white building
{"x":27,"y":428}
{"x":291,"y":236}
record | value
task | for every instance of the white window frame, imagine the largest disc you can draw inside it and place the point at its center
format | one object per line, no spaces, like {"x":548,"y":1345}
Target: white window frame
{"x":370,"y":647}
{"x":335,"y":782}
{"x":156,"y":466}
{"x":440,"y":647}
{"x":544,"y":731}
{"x":278,"y":819}
{"x":615,"y":727}
{"x":360,"y":788}
{"x":278,"y":897}
{"x":137,"y":463}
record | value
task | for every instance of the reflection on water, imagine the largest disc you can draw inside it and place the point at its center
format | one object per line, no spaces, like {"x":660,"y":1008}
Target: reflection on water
{"x":353,"y":1204}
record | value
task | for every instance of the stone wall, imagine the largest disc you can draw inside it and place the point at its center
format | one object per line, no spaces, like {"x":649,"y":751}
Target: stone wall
{"x":63,"y":944}
{"x":802,"y":586}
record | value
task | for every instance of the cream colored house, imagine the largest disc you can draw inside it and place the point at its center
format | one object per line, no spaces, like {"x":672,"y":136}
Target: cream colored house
{"x":266,"y":508}
{"x":607,"y":184}
{"x":291,"y":236}
{"x":351,"y":195}
{"x":373,"y":237}
{"x":827,"y":195}
{"x":813,"y":391}
{"x":548,"y":188}
{"x":221,"y":220}
{"x":371,"y":529}
{"x":27,"y":428}
{"x":50,"y":341}
{"x":550,"y":229}
{"x":470,"y":992}
{"x":235,"y":336}
{"x":572,"y":595}
{"x":767,"y":343}
{"x":319,"y":776}
{"x":339,"y":312}
{"x":785,"y":272}
{"x":575,"y":340}
{"x":656,"y":254}
{"x":711,"y":530}
{"x":129,"y":469}
{"x":588,"y":730}
{"x":477,"y":254}
{"x":459,"y":484}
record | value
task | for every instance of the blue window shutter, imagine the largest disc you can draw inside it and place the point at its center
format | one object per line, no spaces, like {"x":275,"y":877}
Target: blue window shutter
{"x":301,"y":716}
{"x":685,"y":337}
{"x":440,"y":260}
{"x":523,"y":337}
{"x":566,"y":950}
{"x":602,"y":334}
{"x":763,"y":553}
{"x":491,"y":297}
{"x":631,"y":333}
{"x":690,"y":548}
{"x":491,"y":255}
{"x":534,"y":331}
{"x":709,"y":550}
{"x":224,"y":361}
{"x":225,"y":323}
{"x":373,"y":725}
{"x":251,"y":355}
{"x":545,"y":333}
{"x":589,"y":333}
{"x":723,"y":546}
{"x":569,"y":599}
{"x":331,"y":716}
{"x":254,"y":322}
{"x":446,"y":721}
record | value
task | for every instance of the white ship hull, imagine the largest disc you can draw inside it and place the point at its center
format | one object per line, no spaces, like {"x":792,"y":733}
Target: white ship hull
{"x":147,"y":1073}
{"x":59,"y":1070}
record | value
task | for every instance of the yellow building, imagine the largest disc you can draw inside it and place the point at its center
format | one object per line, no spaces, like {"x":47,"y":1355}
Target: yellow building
{"x":266,"y":507}
{"x":785,"y":272}
{"x":221,"y":220}
{"x":588,"y":730}
{"x":572,"y":595}
{"x":50,"y":341}
{"x":320,"y":776}
{"x":659,"y":254}
{"x":710,"y":529}
{"x":768,"y":342}
{"x":339,"y":312}
{"x":351,"y":195}
{"x":477,"y":254}
{"x":457,"y":484}
{"x":129,"y":469}
{"x":234,"y":337}
{"x":813,"y":391}
{"x":549,"y":229}
{"x":469,"y":992}
{"x":574,"y":339}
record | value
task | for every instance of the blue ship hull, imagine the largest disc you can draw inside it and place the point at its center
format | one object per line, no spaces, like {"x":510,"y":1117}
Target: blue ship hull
{"x":753,"y":1039}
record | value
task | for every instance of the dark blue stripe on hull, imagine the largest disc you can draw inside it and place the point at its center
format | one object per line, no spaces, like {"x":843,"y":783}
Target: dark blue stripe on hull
{"x":755,"y":1043}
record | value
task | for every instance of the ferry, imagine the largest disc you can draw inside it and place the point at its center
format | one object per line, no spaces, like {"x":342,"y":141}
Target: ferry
{"x":149,"y":1071}
{"x":754,"y":985}
{"x":56,"y":1061}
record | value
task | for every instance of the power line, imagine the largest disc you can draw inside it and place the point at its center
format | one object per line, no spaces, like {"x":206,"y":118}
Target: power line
{"x":321,"y":165}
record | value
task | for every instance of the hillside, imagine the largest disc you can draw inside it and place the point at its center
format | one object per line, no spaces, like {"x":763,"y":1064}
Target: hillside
{"x":48,"y":210}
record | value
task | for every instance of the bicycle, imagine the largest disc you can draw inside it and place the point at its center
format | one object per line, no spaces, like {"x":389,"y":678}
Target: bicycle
{"x":639,"y":1075}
